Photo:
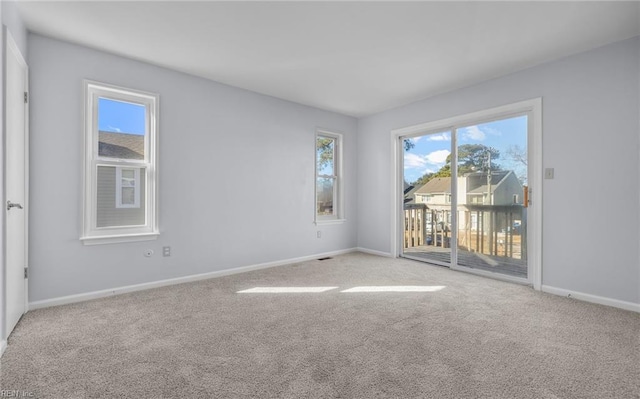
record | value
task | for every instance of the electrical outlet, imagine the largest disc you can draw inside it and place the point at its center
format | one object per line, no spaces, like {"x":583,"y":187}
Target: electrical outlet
{"x":166,"y":251}
{"x":319,"y":234}
{"x":148,"y":253}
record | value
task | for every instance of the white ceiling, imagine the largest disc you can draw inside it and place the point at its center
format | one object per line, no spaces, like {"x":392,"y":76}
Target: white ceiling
{"x":356,"y":58}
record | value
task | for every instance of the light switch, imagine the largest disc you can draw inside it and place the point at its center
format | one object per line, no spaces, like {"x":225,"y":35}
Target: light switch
{"x":548,"y":173}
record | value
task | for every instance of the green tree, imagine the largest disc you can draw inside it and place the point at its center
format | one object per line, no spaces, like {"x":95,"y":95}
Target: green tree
{"x":423,"y":179}
{"x":408,"y":144}
{"x":324,"y":150}
{"x":476,"y":157}
{"x":471,"y":158}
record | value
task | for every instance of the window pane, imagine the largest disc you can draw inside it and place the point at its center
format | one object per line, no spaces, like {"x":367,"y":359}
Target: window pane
{"x":122,"y":128}
{"x":427,"y":197}
{"x":128,"y":175}
{"x":127,"y":188}
{"x":108,"y":214}
{"x":492,"y":173}
{"x":325,"y":155}
{"x":325,"y":190}
{"x":128,"y":195}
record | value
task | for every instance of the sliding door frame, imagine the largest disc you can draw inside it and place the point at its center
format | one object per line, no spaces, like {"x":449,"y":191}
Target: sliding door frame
{"x":533,"y":109}
{"x":454,"y":191}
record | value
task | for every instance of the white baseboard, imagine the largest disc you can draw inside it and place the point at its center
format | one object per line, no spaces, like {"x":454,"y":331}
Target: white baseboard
{"x":374,"y":252}
{"x":3,"y":346}
{"x":178,"y":280}
{"x":634,"y":307}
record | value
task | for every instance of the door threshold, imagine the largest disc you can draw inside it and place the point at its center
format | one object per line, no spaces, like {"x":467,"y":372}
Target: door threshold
{"x":427,"y":261}
{"x":464,"y":269}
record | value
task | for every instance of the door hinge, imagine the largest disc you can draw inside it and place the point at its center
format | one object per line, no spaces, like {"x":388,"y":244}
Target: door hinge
{"x":26,"y":97}
{"x":26,"y":273}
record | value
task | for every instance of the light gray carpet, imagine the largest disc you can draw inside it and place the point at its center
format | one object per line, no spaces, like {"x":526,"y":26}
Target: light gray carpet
{"x":476,"y":338}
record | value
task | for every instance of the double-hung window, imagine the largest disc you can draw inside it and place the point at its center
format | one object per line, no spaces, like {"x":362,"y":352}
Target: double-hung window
{"x":120,"y":185}
{"x":328,"y":177}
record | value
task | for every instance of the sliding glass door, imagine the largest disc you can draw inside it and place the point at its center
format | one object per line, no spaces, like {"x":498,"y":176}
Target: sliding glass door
{"x":492,"y":218}
{"x":427,"y":198}
{"x":465,"y":196}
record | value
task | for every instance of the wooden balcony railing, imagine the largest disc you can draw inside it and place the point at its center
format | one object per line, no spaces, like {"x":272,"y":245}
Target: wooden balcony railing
{"x":498,"y":230}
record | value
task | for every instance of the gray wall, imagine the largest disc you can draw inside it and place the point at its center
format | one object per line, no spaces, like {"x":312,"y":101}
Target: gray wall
{"x":11,"y":19}
{"x":591,"y":128}
{"x":236,"y":176}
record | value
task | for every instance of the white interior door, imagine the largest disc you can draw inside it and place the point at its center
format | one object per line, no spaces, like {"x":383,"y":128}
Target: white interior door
{"x":16,"y":169}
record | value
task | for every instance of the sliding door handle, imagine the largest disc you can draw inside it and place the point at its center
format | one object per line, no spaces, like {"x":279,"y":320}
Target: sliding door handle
{"x":13,"y":205}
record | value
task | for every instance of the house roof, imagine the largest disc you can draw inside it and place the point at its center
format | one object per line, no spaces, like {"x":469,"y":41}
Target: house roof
{"x":409,"y":197}
{"x":121,"y":145}
{"x":495,"y":174}
{"x":436,"y":186}
{"x":440,"y":185}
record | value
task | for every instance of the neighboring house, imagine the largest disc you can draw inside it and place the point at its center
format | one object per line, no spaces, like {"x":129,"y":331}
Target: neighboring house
{"x":473,"y":190}
{"x":121,"y":145}
{"x":120,"y":190}
{"x":435,"y":193}
{"x":505,"y":188}
{"x":409,"y":193}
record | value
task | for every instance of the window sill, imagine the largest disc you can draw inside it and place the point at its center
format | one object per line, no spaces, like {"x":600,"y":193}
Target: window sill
{"x":116,"y":239}
{"x":330,"y":221}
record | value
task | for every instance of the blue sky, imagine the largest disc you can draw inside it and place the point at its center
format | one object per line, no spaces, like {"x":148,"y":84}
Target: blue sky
{"x":121,"y":117}
{"x":431,"y":151}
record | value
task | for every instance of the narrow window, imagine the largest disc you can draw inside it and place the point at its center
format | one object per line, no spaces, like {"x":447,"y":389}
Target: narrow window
{"x":120,"y":165}
{"x":328,"y":176}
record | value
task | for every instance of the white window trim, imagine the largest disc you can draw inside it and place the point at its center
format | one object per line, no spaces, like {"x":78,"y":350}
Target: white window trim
{"x":92,"y":234}
{"x":338,"y":194}
{"x":136,"y":188}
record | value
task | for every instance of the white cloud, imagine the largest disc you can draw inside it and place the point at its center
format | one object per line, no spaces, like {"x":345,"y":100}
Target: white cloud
{"x":413,"y":161}
{"x":437,"y":157}
{"x":416,"y":165}
{"x":439,"y":137}
{"x":474,"y":133}
{"x":114,"y":129}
